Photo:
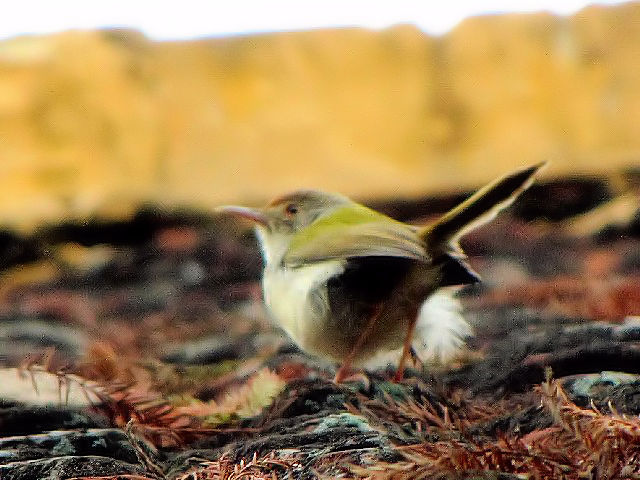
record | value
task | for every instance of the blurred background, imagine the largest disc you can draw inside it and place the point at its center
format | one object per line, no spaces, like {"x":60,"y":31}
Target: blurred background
{"x":104,"y":107}
{"x":122,"y":125}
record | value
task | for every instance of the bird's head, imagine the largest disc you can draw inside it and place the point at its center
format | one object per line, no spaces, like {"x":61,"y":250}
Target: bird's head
{"x":281,"y":219}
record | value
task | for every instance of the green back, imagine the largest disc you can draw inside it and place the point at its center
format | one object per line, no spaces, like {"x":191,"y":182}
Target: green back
{"x":354,"y":230}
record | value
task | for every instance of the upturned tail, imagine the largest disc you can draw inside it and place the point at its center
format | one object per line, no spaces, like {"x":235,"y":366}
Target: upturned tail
{"x":479,"y":208}
{"x":442,"y":236}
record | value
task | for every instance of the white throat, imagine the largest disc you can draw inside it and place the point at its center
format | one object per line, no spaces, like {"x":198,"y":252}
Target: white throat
{"x":274,"y":247}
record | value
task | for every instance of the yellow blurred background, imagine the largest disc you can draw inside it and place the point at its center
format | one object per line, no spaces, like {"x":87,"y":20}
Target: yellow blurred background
{"x":96,"y":122}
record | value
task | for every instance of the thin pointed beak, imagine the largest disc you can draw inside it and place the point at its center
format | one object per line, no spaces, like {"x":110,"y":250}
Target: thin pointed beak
{"x":253,"y":214}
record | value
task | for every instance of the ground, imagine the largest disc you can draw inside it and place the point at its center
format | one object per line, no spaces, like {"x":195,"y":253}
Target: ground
{"x":140,"y":349}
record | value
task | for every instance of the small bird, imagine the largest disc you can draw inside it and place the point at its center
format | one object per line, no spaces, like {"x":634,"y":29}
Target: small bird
{"x":346,"y":282}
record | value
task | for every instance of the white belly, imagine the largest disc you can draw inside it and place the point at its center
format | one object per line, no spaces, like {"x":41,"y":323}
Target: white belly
{"x":287,"y":294}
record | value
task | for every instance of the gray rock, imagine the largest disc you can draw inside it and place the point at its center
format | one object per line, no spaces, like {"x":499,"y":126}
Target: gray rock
{"x":217,"y":348}
{"x":20,"y":337}
{"x":18,"y":419}
{"x":107,"y":442}
{"x":60,"y":468}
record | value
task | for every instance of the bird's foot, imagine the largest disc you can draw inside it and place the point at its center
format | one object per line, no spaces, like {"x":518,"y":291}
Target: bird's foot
{"x":342,"y":373}
{"x":348,"y":375}
{"x":397,"y":378}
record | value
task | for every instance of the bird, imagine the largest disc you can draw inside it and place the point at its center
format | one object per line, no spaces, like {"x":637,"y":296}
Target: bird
{"x":346,"y":282}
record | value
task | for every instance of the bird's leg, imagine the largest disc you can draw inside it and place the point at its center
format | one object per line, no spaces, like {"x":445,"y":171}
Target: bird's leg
{"x":415,"y":358}
{"x":406,"y":349}
{"x":343,"y":371}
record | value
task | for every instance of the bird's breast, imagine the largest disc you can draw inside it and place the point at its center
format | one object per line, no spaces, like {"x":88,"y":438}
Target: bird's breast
{"x":297,"y":297}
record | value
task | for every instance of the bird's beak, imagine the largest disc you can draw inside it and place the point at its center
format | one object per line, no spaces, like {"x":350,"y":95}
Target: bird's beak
{"x":253,"y":214}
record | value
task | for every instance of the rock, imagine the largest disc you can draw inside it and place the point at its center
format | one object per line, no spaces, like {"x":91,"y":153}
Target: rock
{"x":211,"y":349}
{"x":519,"y":359}
{"x":606,"y":389}
{"x":311,"y":419}
{"x":20,"y":419}
{"x":23,"y":336}
{"x":107,"y":442}
{"x":217,"y":348}
{"x":59,"y":468}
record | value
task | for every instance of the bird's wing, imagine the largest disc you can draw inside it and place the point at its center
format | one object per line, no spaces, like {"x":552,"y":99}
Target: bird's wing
{"x":354,"y":231}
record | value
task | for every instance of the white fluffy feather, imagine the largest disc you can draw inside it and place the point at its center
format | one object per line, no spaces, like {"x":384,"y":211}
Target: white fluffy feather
{"x":440,"y":332}
{"x":441,"y":329}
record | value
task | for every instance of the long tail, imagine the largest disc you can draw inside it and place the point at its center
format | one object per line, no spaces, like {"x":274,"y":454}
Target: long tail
{"x":478,"y":209}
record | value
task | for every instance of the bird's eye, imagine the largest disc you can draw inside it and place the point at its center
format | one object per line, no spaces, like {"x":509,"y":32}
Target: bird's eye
{"x":291,"y":209}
